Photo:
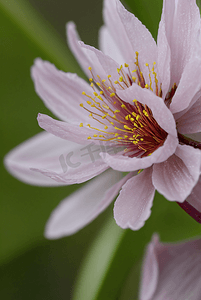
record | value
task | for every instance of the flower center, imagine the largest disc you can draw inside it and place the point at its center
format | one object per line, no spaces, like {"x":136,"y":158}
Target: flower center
{"x":131,"y":126}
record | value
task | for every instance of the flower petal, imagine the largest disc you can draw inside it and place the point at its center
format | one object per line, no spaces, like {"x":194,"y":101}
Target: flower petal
{"x":190,"y":122}
{"x":108,"y":46}
{"x":133,"y":206}
{"x":80,"y":169}
{"x":101,"y":64}
{"x":64,"y":130}
{"x":83,"y":206}
{"x":149,"y":278}
{"x":163,"y":60}
{"x":182,"y":23}
{"x":128,"y":164}
{"x":73,"y":39}
{"x":40,"y":151}
{"x":61,"y":92}
{"x":179,"y":268}
{"x":117,"y":30}
{"x":195,"y":197}
{"x":176,"y":177}
{"x":188,"y":87}
{"x":140,"y":39}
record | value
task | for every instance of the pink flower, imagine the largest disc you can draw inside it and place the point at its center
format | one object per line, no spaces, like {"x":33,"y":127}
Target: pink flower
{"x":142,"y":98}
{"x":171,"y":271}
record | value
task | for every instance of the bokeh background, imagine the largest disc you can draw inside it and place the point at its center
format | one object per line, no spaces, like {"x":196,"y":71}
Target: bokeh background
{"x":101,"y":261}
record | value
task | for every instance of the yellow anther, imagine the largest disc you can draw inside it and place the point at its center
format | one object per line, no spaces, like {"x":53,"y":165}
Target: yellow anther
{"x":135,"y":125}
{"x":90,"y":115}
{"x":126,"y":65}
{"x":134,"y":71}
{"x":81,"y":124}
{"x":101,"y":92}
{"x":134,"y":78}
{"x":120,"y":78}
{"x":135,"y":100}
{"x":98,"y":83}
{"x":109,"y":76}
{"x":126,"y":127}
{"x":116,"y":134}
{"x":146,"y":86}
{"x":145,"y":113}
{"x":123,"y":106}
{"x":103,"y":117}
{"x":89,"y":68}
{"x":146,"y":64}
{"x":112,"y":94}
{"x":154,"y":63}
{"x":141,"y":139}
{"x":105,"y":106}
{"x":126,"y":117}
{"x":137,"y":118}
{"x":131,"y":119}
{"x":119,"y":137}
{"x":114,"y":116}
{"x":95,"y":135}
{"x":99,"y":97}
{"x":89,"y":138}
{"x":92,"y":84}
{"x":116,"y":82}
{"x":89,"y":102}
{"x":95,"y":94}
{"x":116,"y":111}
{"x":83,"y":93}
{"x":81,"y":104}
{"x":114,"y":102}
{"x":103,"y":80}
{"x":134,"y":114}
{"x":88,"y":125}
{"x":106,"y":127}
{"x":90,"y":79}
{"x":135,"y":142}
{"x":93,"y":105}
{"x":101,"y":135}
{"x":125,"y":136}
{"x":111,"y":123}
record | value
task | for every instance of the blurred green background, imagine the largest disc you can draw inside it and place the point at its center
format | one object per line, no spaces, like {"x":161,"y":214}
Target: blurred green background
{"x":32,"y":267}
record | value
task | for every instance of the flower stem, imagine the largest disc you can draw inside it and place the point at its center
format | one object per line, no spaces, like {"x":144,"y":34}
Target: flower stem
{"x":191,"y":211}
{"x":185,"y":140}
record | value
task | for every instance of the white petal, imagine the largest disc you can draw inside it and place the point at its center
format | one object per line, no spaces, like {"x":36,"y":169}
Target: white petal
{"x":140,"y":39}
{"x":195,"y":197}
{"x":117,"y":30}
{"x":188,"y":87}
{"x":190,"y":122}
{"x":83,"y":206}
{"x":65,"y":131}
{"x":133,"y":206}
{"x":182,"y":22}
{"x":61,"y":92}
{"x":73,"y":39}
{"x":149,"y":277}
{"x":176,"y":177}
{"x":179,"y":271}
{"x":108,"y":46}
{"x":40,"y":151}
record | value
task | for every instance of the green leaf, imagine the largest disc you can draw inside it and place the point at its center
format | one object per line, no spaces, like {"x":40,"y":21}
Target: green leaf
{"x":167,"y":218}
